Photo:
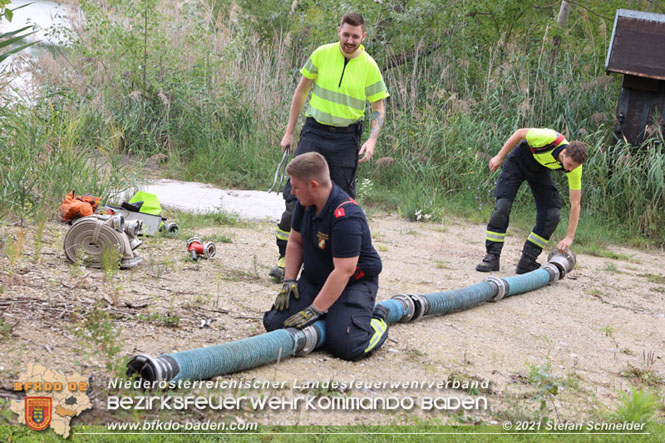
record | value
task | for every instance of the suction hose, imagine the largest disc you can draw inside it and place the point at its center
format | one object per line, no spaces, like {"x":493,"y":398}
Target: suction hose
{"x":204,"y":363}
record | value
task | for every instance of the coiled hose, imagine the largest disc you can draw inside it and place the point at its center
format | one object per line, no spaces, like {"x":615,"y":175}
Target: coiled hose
{"x":90,"y":236}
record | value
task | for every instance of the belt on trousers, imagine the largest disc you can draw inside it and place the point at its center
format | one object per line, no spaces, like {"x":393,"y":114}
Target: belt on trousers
{"x":334,"y":129}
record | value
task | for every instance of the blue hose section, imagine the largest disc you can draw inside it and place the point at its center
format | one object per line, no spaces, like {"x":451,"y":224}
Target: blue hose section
{"x":519,"y":284}
{"x":396,"y":310}
{"x":321,"y":327}
{"x":459,"y":299}
{"x":204,"y":363}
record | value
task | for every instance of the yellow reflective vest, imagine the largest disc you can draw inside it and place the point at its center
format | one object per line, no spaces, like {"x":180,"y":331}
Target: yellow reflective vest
{"x":545,"y":145}
{"x":342,"y":86}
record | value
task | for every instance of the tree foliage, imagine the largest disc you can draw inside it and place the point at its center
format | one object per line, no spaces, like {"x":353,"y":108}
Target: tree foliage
{"x":207,"y":85}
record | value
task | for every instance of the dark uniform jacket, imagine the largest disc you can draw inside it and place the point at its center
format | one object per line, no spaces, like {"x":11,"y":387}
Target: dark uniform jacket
{"x":340,"y":230}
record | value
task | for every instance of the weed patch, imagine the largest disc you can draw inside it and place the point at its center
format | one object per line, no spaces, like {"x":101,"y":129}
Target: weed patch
{"x":654,"y":278}
{"x":169,"y":320}
{"x":644,"y":374}
{"x":98,"y":333}
{"x":635,"y":406}
{"x":603,"y":252}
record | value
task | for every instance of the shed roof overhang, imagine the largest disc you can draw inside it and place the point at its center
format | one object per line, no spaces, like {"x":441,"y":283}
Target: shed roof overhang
{"x":637,"y":45}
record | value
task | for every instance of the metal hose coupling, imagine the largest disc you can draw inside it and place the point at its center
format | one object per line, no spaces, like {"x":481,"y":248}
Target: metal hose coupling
{"x":408,"y":307}
{"x":133,"y":228}
{"x":554,"y":271}
{"x":147,"y":368}
{"x":415,"y":307}
{"x":118,"y":222}
{"x":306,"y":339}
{"x":499,"y":286}
{"x":199,"y":249}
{"x":171,"y":228}
{"x":564,"y":262}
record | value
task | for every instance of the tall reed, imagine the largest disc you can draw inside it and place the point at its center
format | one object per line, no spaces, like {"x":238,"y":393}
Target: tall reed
{"x":214,"y":95}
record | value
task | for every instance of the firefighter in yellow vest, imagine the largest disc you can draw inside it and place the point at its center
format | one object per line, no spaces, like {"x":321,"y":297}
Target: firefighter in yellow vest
{"x":342,"y":77}
{"x":533,"y":154}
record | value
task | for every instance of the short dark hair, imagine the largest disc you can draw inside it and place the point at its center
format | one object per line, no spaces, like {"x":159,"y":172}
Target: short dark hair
{"x":577,"y":151}
{"x":310,"y":166}
{"x":353,"y":19}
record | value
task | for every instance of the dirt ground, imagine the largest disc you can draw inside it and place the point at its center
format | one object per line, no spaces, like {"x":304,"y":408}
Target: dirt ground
{"x":564,"y":351}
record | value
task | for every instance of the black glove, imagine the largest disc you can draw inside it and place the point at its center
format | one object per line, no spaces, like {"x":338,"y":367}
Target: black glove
{"x":303,"y":318}
{"x":289,"y":287}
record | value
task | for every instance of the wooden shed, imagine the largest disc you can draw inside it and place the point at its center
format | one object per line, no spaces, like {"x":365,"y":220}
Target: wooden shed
{"x":637,"y":50}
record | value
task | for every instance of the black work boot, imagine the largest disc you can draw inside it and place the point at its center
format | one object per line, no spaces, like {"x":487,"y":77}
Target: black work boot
{"x":528,"y":261}
{"x":526,"y":264}
{"x":381,"y":312}
{"x":489,"y":263}
{"x":277,"y":272}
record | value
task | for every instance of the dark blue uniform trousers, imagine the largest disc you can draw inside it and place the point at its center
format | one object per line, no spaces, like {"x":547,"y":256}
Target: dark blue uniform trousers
{"x":348,"y":328}
{"x":520,"y":166}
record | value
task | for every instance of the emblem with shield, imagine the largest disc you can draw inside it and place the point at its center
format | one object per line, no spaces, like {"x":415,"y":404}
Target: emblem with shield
{"x":38,"y":412}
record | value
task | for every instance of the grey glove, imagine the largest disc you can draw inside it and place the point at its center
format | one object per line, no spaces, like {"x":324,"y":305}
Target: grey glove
{"x":289,"y":287}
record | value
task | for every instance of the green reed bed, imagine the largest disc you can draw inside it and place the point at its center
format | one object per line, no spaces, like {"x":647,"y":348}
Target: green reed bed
{"x":206,"y":88}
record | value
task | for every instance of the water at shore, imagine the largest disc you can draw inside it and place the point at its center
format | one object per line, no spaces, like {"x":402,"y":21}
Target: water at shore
{"x":43,"y":15}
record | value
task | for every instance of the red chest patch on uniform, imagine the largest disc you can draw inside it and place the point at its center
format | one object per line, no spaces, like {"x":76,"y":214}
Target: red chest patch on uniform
{"x":339,"y":212}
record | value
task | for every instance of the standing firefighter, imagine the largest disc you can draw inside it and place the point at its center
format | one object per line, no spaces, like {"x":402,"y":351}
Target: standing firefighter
{"x":331,"y":241}
{"x":344,"y":78}
{"x":538,"y":151}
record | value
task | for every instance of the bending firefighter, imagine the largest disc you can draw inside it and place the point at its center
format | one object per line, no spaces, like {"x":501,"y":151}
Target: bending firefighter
{"x":344,"y":77}
{"x":331,"y":241}
{"x":533,"y":154}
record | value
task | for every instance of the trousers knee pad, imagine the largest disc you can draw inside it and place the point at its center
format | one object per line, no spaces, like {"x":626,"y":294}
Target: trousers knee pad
{"x":553,"y":217}
{"x":501,"y":212}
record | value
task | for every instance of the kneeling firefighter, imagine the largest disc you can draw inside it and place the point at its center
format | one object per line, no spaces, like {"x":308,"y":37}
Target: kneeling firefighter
{"x":331,"y":241}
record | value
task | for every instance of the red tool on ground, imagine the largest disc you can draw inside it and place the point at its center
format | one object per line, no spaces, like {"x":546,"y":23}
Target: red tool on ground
{"x":196,"y":246}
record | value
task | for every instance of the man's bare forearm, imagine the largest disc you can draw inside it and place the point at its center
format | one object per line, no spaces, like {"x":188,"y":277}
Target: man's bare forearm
{"x":377,"y":120}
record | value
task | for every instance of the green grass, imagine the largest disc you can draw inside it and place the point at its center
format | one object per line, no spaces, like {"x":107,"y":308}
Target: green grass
{"x":97,"y":333}
{"x":636,"y":406}
{"x":5,"y":329}
{"x":601,"y":251}
{"x":47,"y":153}
{"x":607,"y":330}
{"x":219,"y":238}
{"x":654,"y":278}
{"x":168,"y":320}
{"x":644,"y":373}
{"x":611,"y":268}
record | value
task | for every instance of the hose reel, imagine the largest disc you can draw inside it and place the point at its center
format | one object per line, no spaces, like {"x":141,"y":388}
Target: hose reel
{"x":89,"y":238}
